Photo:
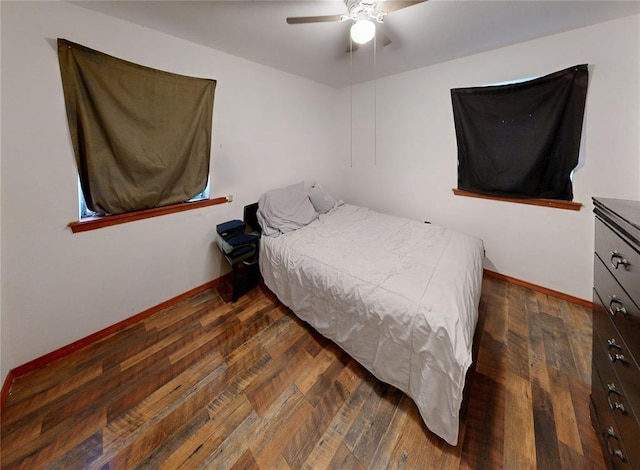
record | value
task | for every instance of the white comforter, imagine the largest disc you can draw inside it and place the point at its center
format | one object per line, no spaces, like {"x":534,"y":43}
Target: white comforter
{"x":400,"y":296}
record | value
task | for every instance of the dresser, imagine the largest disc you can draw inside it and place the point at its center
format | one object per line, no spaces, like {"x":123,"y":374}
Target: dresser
{"x":615,"y":381}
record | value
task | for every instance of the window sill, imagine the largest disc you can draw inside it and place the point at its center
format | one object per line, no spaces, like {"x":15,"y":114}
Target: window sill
{"x":555,"y":203}
{"x":95,"y":223}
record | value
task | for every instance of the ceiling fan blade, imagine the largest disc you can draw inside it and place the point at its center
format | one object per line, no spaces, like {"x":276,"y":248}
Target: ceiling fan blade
{"x":313,"y":19}
{"x":393,"y":5}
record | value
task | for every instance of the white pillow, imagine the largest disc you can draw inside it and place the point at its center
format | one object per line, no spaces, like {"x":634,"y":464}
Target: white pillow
{"x":322,"y":201}
{"x":285,"y":209}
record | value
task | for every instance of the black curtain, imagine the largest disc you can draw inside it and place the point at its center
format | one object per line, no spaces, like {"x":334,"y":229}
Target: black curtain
{"x":521,"y":140}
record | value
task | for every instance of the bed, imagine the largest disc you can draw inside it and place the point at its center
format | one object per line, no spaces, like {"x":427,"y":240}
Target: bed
{"x":400,"y":296}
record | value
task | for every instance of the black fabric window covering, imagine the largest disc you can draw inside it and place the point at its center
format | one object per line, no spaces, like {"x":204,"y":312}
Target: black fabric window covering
{"x":521,"y":140}
{"x":141,"y":136}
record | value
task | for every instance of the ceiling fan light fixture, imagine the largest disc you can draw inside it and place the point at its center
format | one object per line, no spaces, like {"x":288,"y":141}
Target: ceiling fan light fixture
{"x":363,"y":31}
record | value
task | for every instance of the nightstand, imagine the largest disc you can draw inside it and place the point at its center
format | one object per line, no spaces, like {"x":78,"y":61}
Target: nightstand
{"x":240,"y":247}
{"x":245,"y":272}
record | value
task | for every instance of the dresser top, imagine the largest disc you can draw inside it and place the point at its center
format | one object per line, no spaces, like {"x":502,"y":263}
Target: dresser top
{"x":628,"y":211}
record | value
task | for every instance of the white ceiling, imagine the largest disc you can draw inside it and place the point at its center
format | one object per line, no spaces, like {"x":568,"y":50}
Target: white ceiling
{"x":424,"y":34}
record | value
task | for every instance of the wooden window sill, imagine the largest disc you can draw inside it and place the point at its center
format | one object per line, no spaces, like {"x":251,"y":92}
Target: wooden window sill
{"x":94,"y":223}
{"x":555,"y":203}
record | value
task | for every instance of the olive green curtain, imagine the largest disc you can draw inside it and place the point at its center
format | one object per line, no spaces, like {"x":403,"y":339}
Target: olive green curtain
{"x":141,"y":137}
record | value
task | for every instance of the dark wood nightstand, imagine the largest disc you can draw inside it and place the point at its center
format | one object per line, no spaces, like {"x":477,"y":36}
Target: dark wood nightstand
{"x":243,"y":260}
{"x":245,"y":272}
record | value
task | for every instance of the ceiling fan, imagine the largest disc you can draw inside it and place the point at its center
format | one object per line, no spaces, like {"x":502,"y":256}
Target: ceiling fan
{"x":363,"y":14}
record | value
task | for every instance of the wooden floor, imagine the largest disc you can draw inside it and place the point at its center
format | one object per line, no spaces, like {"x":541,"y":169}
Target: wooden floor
{"x":210,"y":384}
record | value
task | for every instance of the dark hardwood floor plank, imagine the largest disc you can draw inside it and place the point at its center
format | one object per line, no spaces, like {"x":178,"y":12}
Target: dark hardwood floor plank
{"x":81,"y":455}
{"x":36,"y":401}
{"x":255,"y":433}
{"x":280,"y":344}
{"x":303,"y":439}
{"x":564,"y":413}
{"x":330,"y":380}
{"x":256,"y":309}
{"x":492,"y":358}
{"x":310,"y":376}
{"x":547,"y":305}
{"x":55,"y":442}
{"x":206,"y":438}
{"x":246,"y":462}
{"x":517,"y":333}
{"x":579,"y":324}
{"x":320,"y":457}
{"x":390,"y":442}
{"x":276,"y":377}
{"x":59,"y":372}
{"x":227,"y":445}
{"x":483,"y":447}
{"x":233,"y":447}
{"x":544,"y":410}
{"x":519,"y":430}
{"x":277,"y":321}
{"x":317,"y":344}
{"x":570,"y":458}
{"x":364,"y":419}
{"x":177,"y":444}
{"x":382,"y":415}
{"x":495,"y":324}
{"x":278,"y":426}
{"x":556,"y":343}
{"x":243,"y":332}
{"x":592,"y":452}
{"x":136,"y":433}
{"x":216,"y":316}
{"x":213,"y":384}
{"x":177,"y":316}
{"x":409,"y":450}
{"x":546,"y":437}
{"x":151,"y":351}
{"x":345,"y":460}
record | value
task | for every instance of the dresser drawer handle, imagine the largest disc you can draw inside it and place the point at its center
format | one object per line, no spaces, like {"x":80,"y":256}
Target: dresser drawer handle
{"x":617,"y":259}
{"x":618,"y":357}
{"x":611,"y":343}
{"x":614,"y":452}
{"x":615,"y":405}
{"x":619,"y":306}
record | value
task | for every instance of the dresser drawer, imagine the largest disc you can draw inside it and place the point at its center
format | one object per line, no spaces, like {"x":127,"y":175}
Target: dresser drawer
{"x":615,"y":401}
{"x":624,"y":313}
{"x":615,"y":450}
{"x":620,"y":258}
{"x":612,"y":358}
{"x":615,"y":379}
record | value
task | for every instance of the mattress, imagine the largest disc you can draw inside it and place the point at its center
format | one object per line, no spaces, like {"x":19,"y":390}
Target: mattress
{"x":400,"y":296}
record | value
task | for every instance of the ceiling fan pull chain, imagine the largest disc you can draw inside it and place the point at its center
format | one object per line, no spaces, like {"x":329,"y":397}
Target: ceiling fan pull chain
{"x":375,"y":101}
{"x":351,"y":99}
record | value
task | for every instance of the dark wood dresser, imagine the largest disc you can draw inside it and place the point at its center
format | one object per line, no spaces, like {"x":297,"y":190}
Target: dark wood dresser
{"x":615,"y":380}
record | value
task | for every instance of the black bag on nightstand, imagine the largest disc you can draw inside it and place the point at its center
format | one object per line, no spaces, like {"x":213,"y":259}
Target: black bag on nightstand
{"x":228,"y":229}
{"x":239,"y":243}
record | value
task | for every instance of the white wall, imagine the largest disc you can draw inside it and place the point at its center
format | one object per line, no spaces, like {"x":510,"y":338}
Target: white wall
{"x":2,"y":371}
{"x":416,"y":153}
{"x":57,"y":286}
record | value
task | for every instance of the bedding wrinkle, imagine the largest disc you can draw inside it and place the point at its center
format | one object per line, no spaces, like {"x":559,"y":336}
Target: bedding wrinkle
{"x":399,"y":296}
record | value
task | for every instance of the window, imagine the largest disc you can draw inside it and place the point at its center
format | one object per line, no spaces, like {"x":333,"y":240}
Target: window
{"x":141,"y":136}
{"x":85,"y":213}
{"x":521,"y":140}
